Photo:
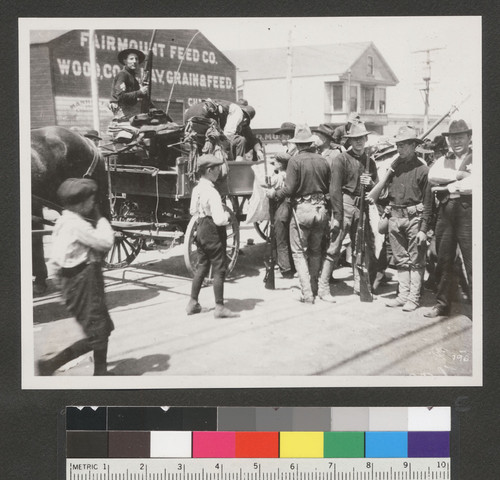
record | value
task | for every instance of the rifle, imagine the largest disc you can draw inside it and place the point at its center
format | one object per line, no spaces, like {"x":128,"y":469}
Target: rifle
{"x":365,"y":289}
{"x":269,"y":280}
{"x":146,"y":78}
{"x":377,"y":189}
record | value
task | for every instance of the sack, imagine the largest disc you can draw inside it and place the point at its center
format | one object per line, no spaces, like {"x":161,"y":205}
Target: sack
{"x":258,"y":205}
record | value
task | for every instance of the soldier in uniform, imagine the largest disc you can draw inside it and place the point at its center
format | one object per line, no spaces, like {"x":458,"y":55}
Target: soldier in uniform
{"x":285,"y":133}
{"x":339,"y":135}
{"x":410,"y":202}
{"x":347,"y":176}
{"x":126,"y":92}
{"x":325,"y":135}
{"x":451,"y":176}
{"x":307,"y":184}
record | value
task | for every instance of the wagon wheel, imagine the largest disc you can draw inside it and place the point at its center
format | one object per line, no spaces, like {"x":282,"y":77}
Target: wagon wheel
{"x":124,"y":251}
{"x":233,"y":243}
{"x":263,"y":229}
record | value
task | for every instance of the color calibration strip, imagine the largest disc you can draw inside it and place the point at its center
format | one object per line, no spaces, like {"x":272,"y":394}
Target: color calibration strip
{"x":261,"y":432}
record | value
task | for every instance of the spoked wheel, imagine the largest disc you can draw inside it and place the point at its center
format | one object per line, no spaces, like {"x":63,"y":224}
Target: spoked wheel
{"x":263,"y":229}
{"x":124,"y":251}
{"x":191,"y":250}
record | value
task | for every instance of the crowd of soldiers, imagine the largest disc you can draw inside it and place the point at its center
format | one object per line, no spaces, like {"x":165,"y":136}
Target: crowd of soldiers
{"x":424,"y":197}
{"x":423,"y":204}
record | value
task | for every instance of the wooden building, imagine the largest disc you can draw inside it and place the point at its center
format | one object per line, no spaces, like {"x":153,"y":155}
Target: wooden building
{"x":187,"y":68}
{"x":316,"y":84}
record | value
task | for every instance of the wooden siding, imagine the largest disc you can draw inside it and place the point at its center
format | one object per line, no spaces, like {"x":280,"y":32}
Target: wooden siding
{"x":41,"y":93}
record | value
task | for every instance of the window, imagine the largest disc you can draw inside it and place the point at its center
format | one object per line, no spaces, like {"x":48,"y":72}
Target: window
{"x":370,"y":66}
{"x":354,"y":99}
{"x":335,"y":97}
{"x":369,"y":96}
{"x":381,"y":100}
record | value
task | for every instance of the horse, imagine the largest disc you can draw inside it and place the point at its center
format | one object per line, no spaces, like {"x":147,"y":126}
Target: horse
{"x":56,"y":155}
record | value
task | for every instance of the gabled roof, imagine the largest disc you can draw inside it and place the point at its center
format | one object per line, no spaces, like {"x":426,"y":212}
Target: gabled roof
{"x":45,"y":36}
{"x":312,"y":60}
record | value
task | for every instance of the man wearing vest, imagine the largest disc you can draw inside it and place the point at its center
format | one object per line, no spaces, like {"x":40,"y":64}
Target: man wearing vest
{"x":451,"y":176}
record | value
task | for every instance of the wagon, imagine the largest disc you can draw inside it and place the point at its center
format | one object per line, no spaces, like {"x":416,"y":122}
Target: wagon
{"x":149,"y":189}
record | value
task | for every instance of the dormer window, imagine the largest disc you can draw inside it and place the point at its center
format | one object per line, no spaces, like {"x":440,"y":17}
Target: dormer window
{"x":370,"y":66}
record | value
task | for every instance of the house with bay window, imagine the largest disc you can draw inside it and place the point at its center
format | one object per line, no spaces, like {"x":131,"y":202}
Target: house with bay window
{"x":315,"y":84}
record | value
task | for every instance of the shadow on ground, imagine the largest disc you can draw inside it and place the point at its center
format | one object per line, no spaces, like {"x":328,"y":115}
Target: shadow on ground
{"x":140,"y":366}
{"x":55,"y":310}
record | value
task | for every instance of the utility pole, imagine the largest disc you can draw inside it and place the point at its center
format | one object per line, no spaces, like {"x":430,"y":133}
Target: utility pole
{"x":93,"y":81}
{"x":427,"y":80}
{"x":289,"y":74}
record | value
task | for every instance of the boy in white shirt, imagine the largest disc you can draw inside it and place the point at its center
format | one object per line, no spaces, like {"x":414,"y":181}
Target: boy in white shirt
{"x":211,"y":237}
{"x":80,"y":239}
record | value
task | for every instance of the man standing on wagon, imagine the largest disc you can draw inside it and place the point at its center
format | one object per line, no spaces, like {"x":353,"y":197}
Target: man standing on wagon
{"x":126,"y":92}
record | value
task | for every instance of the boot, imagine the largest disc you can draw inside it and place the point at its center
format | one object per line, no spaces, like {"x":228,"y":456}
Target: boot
{"x":413,"y":300}
{"x":404,"y":289}
{"x":48,"y":367}
{"x":314,"y":264}
{"x":100,"y":361}
{"x":304,"y":278}
{"x":324,"y":282}
{"x":193,"y":307}
{"x":222,"y":312}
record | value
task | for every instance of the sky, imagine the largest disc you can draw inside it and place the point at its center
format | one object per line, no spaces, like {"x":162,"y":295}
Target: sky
{"x":455,"y":68}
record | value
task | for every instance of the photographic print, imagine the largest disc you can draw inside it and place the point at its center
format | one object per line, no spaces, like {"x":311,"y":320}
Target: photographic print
{"x":250,"y":202}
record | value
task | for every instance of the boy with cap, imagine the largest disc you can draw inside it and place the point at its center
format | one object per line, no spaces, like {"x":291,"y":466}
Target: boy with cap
{"x":77,"y":250}
{"x":211,"y":238}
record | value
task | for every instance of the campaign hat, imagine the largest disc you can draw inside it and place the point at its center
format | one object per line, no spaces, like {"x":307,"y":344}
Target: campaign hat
{"x":125,"y":53}
{"x":456,"y":127}
{"x":286,"y":127}
{"x":407,"y":133}
{"x":302,"y":134}
{"x":248,"y":110}
{"x":354,"y":117}
{"x":325,"y":130}
{"x":94,"y":134}
{"x":76,"y":190}
{"x":439,"y":143}
{"x":283,"y":157}
{"x":358,"y":129}
{"x":209,"y":160}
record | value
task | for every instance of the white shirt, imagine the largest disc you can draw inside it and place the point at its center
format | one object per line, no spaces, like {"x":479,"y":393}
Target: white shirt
{"x":444,"y":172}
{"x":206,"y":202}
{"x":76,"y":241}
{"x":234,"y":119}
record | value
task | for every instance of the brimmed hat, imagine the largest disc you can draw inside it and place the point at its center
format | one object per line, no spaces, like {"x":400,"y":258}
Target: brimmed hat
{"x":439,"y":143}
{"x":283,"y":157}
{"x":456,"y":127}
{"x":286,"y":127}
{"x":407,"y":133}
{"x":324,"y":130}
{"x":94,"y":134}
{"x":209,"y":160}
{"x":249,"y":110}
{"x":242,"y":102}
{"x":354,"y":117}
{"x":302,"y":134}
{"x":125,"y":53}
{"x":76,"y":190}
{"x":357,"y":129}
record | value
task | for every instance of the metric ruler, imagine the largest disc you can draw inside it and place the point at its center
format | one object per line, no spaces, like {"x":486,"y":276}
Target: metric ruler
{"x":258,"y":469}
